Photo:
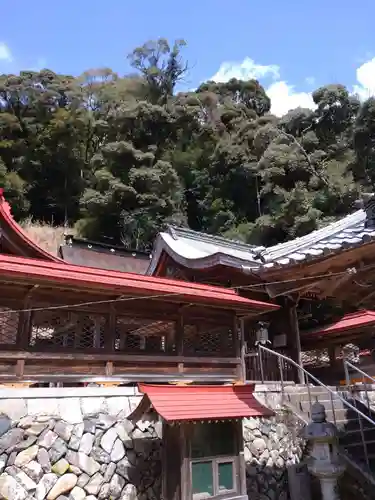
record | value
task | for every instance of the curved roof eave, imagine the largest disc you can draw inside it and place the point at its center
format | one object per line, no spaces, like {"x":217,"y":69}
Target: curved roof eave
{"x":219,"y":258}
{"x":345,"y":234}
{"x":17,"y":236}
{"x":22,"y":269}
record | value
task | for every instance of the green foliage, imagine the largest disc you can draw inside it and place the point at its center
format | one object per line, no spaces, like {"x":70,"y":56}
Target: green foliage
{"x":120,"y":157}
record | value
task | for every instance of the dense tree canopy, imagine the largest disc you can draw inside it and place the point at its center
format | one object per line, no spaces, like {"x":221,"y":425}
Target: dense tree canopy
{"x":122,"y":156}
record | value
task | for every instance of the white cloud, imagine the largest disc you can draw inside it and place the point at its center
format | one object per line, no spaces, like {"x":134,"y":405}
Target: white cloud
{"x":245,"y":70}
{"x":283,"y":95}
{"x":284,"y":98}
{"x":5,"y":53}
{"x":366,"y":80}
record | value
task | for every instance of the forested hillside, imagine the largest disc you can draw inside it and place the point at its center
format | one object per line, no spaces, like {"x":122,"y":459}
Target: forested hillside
{"x":121,"y":156}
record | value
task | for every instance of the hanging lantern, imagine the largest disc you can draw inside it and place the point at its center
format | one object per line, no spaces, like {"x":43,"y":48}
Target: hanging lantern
{"x":262,"y":334}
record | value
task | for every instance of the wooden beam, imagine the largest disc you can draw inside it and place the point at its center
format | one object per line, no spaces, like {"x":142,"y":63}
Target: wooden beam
{"x":24,"y":324}
{"x":117,"y":358}
{"x":367,"y":297}
{"x":110,"y":337}
{"x":289,"y":288}
{"x":20,"y":368}
{"x":180,"y":341}
{"x":294,"y":326}
{"x":238,"y":325}
{"x":332,"y":356}
{"x":109,"y":369}
{"x":334,"y":284}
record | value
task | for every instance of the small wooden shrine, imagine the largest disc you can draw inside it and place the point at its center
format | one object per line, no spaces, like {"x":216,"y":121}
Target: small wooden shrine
{"x":73,"y":250}
{"x":83,"y":252}
{"x":203,"y":453}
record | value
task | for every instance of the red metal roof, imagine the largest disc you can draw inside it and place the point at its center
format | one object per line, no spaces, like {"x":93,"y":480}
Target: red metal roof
{"x":99,"y":280}
{"x":349,"y":322}
{"x":16,"y":238}
{"x":183,"y":403}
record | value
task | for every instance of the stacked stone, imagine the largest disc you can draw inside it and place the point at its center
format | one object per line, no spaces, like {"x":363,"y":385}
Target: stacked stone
{"x":100,"y":458}
{"x":84,"y":447}
{"x":270,"y":448}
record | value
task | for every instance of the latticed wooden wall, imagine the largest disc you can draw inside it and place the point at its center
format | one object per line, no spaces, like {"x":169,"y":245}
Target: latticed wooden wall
{"x":66,"y":330}
{"x":9,"y":322}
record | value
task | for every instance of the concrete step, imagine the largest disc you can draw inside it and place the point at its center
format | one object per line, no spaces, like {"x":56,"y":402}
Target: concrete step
{"x":359,"y":454}
{"x":362,"y":462}
{"x":338,"y":413}
{"x":305,"y":403}
{"x":352,"y":430}
{"x":352,"y":433}
{"x":352,"y":426}
{"x":313,"y":388}
{"x":322,"y":397}
{"x":358,"y":444}
{"x":301,"y":402}
{"x":337,"y":405}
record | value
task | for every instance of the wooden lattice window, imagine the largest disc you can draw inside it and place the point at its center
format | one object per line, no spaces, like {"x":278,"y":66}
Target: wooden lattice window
{"x":316,"y":358}
{"x":207,"y":340}
{"x":69,"y":330}
{"x":143,"y":335}
{"x":9,"y":321}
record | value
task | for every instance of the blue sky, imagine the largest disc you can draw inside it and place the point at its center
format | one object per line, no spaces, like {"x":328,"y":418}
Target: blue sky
{"x":291,"y":46}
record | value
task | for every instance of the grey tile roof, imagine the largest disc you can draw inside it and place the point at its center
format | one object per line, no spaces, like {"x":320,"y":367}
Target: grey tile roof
{"x":197,"y":250}
{"x":347,"y":232}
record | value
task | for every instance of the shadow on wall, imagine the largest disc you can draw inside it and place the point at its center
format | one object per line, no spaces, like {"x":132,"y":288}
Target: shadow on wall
{"x":146,"y":471}
{"x":353,"y":484}
{"x":272,"y":445}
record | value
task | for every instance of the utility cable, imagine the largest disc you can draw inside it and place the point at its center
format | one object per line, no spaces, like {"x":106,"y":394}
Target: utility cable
{"x":145,"y":297}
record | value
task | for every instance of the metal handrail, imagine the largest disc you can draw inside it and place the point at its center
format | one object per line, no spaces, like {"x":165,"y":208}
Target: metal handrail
{"x":307,"y":375}
{"x":317,"y":381}
{"x":347,"y":365}
{"x":353,"y":367}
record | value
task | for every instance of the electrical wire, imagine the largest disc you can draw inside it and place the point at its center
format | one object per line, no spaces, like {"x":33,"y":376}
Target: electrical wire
{"x":90,"y":303}
{"x":294,"y":280}
{"x":145,"y":297}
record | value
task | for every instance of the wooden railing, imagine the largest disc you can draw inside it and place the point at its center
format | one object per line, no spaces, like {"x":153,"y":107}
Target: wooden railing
{"x":262,"y":366}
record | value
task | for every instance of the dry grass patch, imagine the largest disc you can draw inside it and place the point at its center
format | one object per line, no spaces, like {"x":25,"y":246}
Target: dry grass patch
{"x":44,"y":235}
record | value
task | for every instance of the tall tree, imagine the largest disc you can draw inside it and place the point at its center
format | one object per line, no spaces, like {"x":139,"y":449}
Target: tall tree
{"x":162,"y":67}
{"x":121,"y":156}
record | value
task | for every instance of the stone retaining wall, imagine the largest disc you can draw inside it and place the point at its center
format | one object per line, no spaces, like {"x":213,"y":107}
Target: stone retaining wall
{"x":77,"y":444}
{"x":272,"y":446}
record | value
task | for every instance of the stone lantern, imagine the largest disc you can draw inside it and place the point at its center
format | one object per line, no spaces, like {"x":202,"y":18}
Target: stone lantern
{"x":324,"y":461}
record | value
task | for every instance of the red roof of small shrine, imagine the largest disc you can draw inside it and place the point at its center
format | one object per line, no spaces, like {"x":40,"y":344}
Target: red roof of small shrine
{"x":16,"y":239}
{"x":346,"y":323}
{"x":185,"y":403}
{"x":36,"y":271}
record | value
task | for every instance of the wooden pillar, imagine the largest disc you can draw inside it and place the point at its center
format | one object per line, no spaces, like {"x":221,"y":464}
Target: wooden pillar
{"x":241,"y":485}
{"x":180,"y":340}
{"x":239,"y":346}
{"x":173,"y":466}
{"x":24,"y":322}
{"x":110,"y":329}
{"x":185,"y":453}
{"x":332,"y":356}
{"x":295,"y":339}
